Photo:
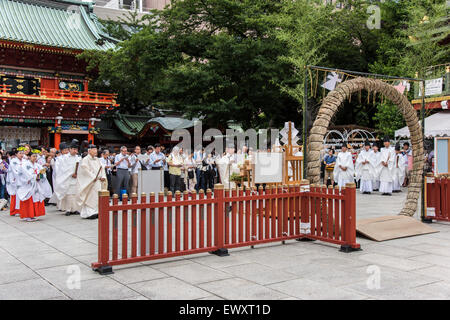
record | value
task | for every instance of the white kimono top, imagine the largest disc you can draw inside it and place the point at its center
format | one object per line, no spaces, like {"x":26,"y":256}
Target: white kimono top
{"x":65,"y":167}
{"x":33,"y":182}
{"x":365,"y":171}
{"x":12,"y":176}
{"x":388,"y":156}
{"x":399,"y":169}
{"x":344,"y":159}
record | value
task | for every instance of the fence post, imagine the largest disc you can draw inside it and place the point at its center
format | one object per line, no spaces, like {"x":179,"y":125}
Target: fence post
{"x":429,"y":193}
{"x":305,"y":222}
{"x":103,"y":234}
{"x":349,"y":228}
{"x":219,"y":219}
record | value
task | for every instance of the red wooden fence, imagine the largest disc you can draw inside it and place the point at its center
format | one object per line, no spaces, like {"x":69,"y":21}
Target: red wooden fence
{"x":437,"y":198}
{"x":194,"y":223}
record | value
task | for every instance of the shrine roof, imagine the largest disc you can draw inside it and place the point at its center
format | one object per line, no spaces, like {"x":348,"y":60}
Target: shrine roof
{"x":132,"y":125}
{"x":68,"y":24}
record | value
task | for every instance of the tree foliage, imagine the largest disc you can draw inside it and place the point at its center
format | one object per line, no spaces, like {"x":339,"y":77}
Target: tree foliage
{"x":243,"y":61}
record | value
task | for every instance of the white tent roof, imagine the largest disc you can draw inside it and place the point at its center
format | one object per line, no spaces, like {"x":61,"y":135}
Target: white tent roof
{"x":437,"y":124}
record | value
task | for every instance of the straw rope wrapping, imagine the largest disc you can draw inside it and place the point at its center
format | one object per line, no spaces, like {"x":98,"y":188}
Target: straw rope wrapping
{"x":330,"y":106}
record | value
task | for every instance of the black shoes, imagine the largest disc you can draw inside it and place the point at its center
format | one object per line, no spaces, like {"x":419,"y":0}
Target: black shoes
{"x":73,"y":212}
{"x":94,"y":216}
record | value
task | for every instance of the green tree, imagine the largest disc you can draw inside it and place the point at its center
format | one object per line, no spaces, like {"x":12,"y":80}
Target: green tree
{"x":388,"y":119}
{"x":230,"y":69}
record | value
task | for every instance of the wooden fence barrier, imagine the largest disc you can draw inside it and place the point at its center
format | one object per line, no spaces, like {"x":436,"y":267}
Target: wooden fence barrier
{"x":193,"y":223}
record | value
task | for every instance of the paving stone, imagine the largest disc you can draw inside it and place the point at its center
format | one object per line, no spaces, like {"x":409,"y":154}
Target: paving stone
{"x":443,"y":261}
{"x":394,"y":262}
{"x":139,"y":297}
{"x":14,"y":272}
{"x":47,"y":260}
{"x":258,"y":273}
{"x":33,"y":289}
{"x":439,"y":272}
{"x":313,"y":290}
{"x":434,"y":291}
{"x":241,"y":289}
{"x":211,"y":298}
{"x":195,"y":273}
{"x":169,"y":289}
{"x":63,"y":276}
{"x":100,"y":289}
{"x":214,"y":261}
{"x":136,"y":274}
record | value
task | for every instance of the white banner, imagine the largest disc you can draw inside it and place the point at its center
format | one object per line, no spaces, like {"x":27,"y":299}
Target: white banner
{"x":432,"y":87}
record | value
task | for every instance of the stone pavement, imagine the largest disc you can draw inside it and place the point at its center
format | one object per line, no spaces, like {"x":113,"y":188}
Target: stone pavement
{"x":42,"y":260}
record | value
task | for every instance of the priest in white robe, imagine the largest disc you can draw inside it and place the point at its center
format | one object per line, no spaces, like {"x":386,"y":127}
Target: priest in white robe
{"x":376,"y":162}
{"x":385,"y":167}
{"x":399,"y":170}
{"x":56,"y":166}
{"x":33,"y":188}
{"x":365,"y":169}
{"x":90,"y":178}
{"x":344,"y":168}
{"x":66,"y":179}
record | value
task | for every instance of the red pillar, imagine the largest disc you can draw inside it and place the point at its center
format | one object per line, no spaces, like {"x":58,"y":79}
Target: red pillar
{"x":57,"y":135}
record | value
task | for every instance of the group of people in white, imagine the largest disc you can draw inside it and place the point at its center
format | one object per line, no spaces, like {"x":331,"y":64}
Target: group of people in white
{"x":75,"y":181}
{"x":382,"y":170}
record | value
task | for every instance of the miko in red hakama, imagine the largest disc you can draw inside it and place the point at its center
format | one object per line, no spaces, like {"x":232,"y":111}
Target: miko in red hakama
{"x":33,"y":190}
{"x":12,"y":205}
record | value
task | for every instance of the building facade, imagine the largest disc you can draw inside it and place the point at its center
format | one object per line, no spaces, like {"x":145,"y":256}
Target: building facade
{"x":44,"y":91}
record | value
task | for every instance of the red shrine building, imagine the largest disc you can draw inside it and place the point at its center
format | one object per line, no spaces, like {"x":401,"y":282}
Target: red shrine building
{"x":44,"y":92}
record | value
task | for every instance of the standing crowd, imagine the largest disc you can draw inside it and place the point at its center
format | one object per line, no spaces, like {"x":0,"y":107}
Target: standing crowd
{"x":386,"y":170}
{"x":33,"y":178}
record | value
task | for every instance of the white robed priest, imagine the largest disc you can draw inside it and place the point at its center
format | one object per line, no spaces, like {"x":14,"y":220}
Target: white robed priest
{"x":399,"y":171}
{"x":66,"y":179}
{"x":56,"y":166}
{"x":365,"y":169}
{"x":344,"y":169}
{"x":91,"y":179}
{"x":375,"y":162}
{"x":385,"y":167}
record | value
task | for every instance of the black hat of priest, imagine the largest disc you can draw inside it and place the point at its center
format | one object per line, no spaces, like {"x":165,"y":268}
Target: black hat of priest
{"x":386,"y":139}
{"x":367,"y":143}
{"x":74,"y":144}
{"x":397,"y":147}
{"x":63,"y":145}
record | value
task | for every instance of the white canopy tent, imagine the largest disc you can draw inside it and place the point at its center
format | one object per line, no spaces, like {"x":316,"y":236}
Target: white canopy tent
{"x":436,"y":125}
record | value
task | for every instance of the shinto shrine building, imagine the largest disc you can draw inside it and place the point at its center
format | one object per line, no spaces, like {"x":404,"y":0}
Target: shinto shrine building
{"x":44,"y":92}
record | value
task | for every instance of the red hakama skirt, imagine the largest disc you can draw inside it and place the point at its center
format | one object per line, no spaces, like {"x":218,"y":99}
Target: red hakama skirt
{"x":30,"y":209}
{"x":12,"y":206}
